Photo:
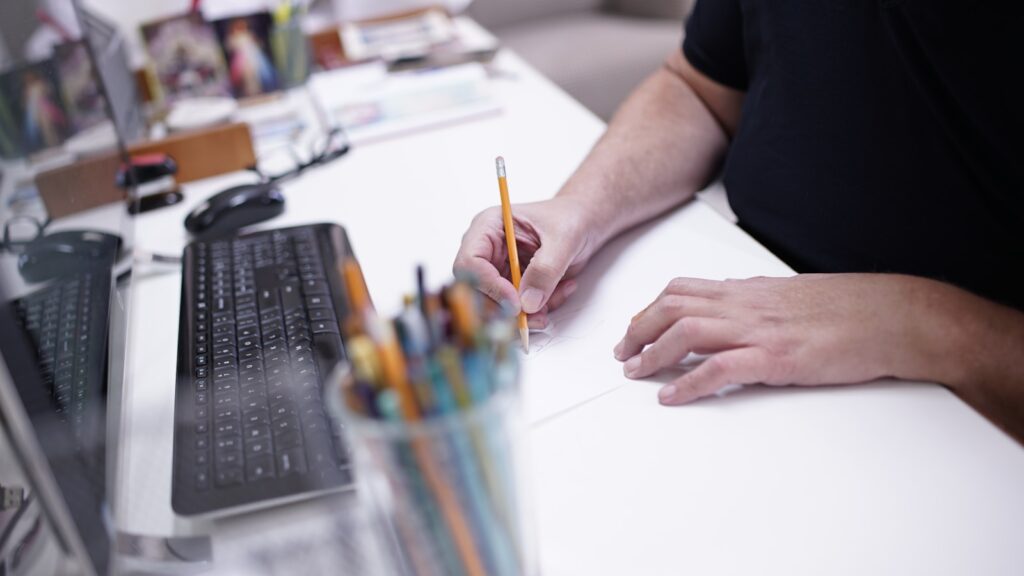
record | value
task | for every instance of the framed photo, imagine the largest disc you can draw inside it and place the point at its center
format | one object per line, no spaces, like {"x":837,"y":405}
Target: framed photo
{"x":186,"y":57}
{"x":246,"y":44}
{"x":82,"y":96}
{"x":33,"y":94}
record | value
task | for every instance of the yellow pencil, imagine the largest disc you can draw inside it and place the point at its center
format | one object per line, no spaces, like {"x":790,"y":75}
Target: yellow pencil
{"x":513,"y":252}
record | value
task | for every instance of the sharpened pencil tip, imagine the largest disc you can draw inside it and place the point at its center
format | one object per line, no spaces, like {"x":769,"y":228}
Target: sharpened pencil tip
{"x":524,"y":337}
{"x":500,"y":163}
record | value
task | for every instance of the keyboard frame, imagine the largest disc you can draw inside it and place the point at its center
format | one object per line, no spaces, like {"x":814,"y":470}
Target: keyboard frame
{"x":185,"y":499}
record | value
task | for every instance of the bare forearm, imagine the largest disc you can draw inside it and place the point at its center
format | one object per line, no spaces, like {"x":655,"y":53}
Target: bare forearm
{"x":975,"y":347}
{"x":662,"y":146}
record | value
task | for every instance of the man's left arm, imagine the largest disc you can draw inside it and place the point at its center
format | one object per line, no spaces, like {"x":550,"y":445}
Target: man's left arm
{"x":833,"y":329}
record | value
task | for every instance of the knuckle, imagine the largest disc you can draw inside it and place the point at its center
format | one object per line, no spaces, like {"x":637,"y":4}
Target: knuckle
{"x":687,"y":328}
{"x":674,"y":305}
{"x":677,"y":285}
{"x":544,"y":271}
{"x":718,"y":367}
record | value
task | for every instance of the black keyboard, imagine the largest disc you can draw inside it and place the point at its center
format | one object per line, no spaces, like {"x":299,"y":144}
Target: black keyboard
{"x":259,"y":333}
{"x":67,"y":321}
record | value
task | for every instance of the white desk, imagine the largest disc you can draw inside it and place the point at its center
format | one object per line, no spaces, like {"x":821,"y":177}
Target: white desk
{"x":888,"y":478}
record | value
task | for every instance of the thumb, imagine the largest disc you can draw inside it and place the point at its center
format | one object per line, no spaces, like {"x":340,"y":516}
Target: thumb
{"x":546,"y":269}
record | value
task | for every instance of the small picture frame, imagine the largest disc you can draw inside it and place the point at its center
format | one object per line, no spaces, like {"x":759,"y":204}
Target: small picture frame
{"x":34,"y":96}
{"x":245,"y":41}
{"x":82,"y":96}
{"x":187,"y":57}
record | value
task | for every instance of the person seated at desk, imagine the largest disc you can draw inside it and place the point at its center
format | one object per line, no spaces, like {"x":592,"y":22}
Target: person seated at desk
{"x":868,"y":144}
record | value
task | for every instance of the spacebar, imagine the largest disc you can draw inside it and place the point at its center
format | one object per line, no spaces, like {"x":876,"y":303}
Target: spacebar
{"x":328,"y":351}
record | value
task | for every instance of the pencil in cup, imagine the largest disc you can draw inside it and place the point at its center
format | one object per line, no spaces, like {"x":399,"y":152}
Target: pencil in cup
{"x":476,"y":453}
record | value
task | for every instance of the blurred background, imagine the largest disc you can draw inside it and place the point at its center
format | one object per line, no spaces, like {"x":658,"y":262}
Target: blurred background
{"x":597,"y":50}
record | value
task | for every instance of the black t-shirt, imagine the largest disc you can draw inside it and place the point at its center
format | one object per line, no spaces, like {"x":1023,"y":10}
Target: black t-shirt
{"x":876,"y":135}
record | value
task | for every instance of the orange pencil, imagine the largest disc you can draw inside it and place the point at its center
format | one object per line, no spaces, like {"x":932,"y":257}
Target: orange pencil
{"x":513,"y":251}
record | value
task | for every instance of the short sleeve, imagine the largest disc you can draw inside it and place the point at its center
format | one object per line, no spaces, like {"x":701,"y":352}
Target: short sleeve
{"x":714,"y":42}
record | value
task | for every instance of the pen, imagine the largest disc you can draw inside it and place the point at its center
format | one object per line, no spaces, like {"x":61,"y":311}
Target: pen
{"x":513,"y":251}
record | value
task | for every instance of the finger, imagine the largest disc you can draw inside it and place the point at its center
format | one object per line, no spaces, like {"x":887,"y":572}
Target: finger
{"x":695,"y":287}
{"x":684,"y":336}
{"x":652,"y":321}
{"x":562,"y":292}
{"x":737,"y":366}
{"x":479,"y":255}
{"x":546,"y":269}
{"x":488,"y":280}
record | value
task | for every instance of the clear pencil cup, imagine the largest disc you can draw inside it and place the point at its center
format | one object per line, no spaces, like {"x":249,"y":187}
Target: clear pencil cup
{"x":449,"y":492}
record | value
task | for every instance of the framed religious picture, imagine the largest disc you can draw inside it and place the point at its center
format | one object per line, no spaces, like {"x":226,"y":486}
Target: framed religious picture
{"x":34,"y":96}
{"x":79,"y":89}
{"x":245,"y":41}
{"x":186,"y":57}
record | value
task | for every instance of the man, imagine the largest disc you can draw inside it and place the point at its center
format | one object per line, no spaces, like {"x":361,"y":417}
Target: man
{"x":871,"y":141}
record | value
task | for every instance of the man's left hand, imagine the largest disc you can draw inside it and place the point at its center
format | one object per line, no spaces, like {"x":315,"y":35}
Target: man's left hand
{"x":806,"y":330}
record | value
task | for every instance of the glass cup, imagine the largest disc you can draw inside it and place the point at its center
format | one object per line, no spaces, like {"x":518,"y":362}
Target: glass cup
{"x":448,"y":491}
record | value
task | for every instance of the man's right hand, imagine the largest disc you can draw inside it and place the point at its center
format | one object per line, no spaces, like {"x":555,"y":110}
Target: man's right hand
{"x":554,"y":243}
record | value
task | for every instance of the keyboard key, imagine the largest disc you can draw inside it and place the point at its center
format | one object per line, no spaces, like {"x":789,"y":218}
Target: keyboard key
{"x":224,"y":413}
{"x":258,"y":417}
{"x":291,"y":462}
{"x":226,"y":445}
{"x":259,"y":468}
{"x":253,"y":403}
{"x":226,"y":401}
{"x":256,"y":431}
{"x":325,"y":314}
{"x":257,"y":446}
{"x":285,"y":424}
{"x":250,"y":354}
{"x":230,"y":477}
{"x":267,"y":299}
{"x":290,"y":297}
{"x":314,"y":287}
{"x":282,"y":410}
{"x":224,"y":350}
{"x":202,"y":480}
{"x":247,"y":343}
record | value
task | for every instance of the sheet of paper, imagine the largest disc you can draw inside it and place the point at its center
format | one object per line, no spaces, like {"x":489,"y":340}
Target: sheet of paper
{"x":571,"y":362}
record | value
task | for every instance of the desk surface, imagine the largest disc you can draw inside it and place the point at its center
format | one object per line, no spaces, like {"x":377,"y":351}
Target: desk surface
{"x":890,"y":478}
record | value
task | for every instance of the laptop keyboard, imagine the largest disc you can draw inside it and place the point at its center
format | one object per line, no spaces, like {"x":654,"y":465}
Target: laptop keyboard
{"x":260,"y":332}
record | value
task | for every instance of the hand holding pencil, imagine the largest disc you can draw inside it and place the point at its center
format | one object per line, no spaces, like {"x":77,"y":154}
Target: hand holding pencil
{"x":551,"y":242}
